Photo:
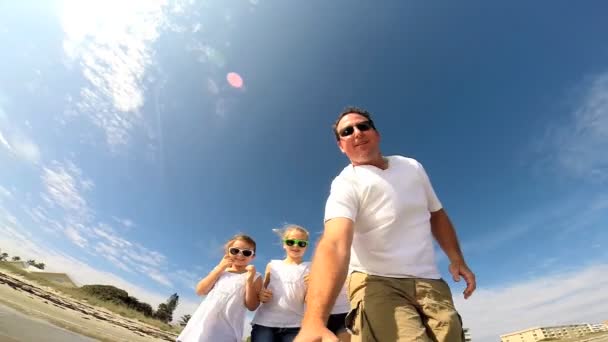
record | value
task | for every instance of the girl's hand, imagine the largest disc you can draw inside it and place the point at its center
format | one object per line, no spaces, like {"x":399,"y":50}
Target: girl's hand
{"x":250,"y":273}
{"x":225,"y":263}
{"x":265,"y":295}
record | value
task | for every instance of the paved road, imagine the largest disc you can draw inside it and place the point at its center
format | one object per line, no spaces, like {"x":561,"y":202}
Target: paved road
{"x":17,"y":327}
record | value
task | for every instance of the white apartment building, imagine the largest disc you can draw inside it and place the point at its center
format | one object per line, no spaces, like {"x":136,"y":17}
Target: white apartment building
{"x":539,"y":333}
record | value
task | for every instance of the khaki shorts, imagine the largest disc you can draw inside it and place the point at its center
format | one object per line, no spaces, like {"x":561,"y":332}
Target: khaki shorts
{"x":401,"y":309}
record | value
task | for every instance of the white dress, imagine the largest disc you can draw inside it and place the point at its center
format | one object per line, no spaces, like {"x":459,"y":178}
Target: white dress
{"x":221,"y":315}
{"x":286,"y":308}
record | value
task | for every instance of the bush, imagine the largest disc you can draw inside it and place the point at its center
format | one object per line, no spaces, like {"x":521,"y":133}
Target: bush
{"x":118,"y":296}
{"x":107,"y":292}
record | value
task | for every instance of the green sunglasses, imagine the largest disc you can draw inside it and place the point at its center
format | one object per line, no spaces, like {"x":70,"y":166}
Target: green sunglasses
{"x":300,"y":243}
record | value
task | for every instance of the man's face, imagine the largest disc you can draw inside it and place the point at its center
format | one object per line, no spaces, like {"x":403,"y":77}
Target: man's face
{"x":362,"y":145}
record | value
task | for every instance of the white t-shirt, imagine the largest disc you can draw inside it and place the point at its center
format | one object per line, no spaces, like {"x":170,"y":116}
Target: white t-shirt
{"x":286,"y":308}
{"x":391,"y":214}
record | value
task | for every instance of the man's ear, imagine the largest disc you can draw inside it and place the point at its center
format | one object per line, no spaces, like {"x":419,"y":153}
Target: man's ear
{"x":340,"y":146}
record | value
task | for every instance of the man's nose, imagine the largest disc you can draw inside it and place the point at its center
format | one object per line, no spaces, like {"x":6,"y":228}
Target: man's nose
{"x":357,"y":132}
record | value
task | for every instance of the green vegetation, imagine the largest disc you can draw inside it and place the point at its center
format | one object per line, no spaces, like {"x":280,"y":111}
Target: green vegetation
{"x":184,"y":320}
{"x":109,"y":297}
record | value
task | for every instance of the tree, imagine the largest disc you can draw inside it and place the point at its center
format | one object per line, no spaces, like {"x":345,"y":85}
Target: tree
{"x":3,"y":256}
{"x":162,"y":313}
{"x":184,"y":320}
{"x":31,"y":262}
{"x":172,"y":302}
{"x":40,"y":265}
{"x":16,"y":258}
{"x":146,"y":309}
{"x":165,"y":310}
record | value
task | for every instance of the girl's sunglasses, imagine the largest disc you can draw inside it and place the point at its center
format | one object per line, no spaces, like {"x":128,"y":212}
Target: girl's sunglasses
{"x":361,"y":126}
{"x":245,"y":252}
{"x":300,"y":243}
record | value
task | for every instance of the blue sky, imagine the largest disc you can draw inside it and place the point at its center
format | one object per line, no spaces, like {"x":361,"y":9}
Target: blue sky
{"x":128,"y":158}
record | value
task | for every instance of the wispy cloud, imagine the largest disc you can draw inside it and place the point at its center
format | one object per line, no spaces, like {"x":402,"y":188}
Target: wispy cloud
{"x":102,"y":241}
{"x":577,"y":146}
{"x":75,"y":236}
{"x":127,"y":223}
{"x":559,"y":218}
{"x":63,"y":188}
{"x":112,"y":42}
{"x":106,"y":232}
{"x":25,"y":148}
{"x":156,"y":275}
{"x":81,"y":272}
{"x":4,"y":192}
{"x":187,"y":279}
{"x":17,"y":143}
{"x":4,"y":142}
{"x":568,"y":297}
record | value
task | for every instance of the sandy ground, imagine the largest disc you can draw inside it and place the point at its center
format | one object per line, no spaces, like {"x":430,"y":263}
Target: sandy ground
{"x":41,"y":303}
{"x":12,"y":323}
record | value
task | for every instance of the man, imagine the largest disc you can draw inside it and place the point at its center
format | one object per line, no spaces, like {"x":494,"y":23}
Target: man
{"x":381,"y":216}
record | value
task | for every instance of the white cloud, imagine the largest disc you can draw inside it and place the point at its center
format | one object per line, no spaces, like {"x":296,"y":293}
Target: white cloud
{"x":16,"y":240}
{"x":187,"y":279}
{"x":158,"y":277}
{"x":577,"y":146}
{"x":25,"y":148}
{"x":19,"y":145}
{"x":75,"y":236}
{"x":108,"y":233}
{"x":40,"y":216}
{"x":4,"y":192}
{"x":14,"y":140}
{"x":569,"y":297}
{"x":112,"y":42}
{"x":561,"y":217}
{"x":63,"y":185}
{"x":143,"y":256}
{"x":4,"y":142}
{"x":127,"y":223}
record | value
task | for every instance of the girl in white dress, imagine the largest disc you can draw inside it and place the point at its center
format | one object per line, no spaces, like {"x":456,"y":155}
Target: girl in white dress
{"x":231,"y":289}
{"x":279,"y":317}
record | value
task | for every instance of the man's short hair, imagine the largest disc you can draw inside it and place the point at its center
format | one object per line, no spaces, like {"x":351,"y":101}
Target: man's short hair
{"x":352,"y":110}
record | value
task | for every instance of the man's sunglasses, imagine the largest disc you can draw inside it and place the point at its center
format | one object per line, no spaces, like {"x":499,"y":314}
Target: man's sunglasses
{"x":300,"y":243}
{"x":361,"y":126}
{"x":246,"y":252}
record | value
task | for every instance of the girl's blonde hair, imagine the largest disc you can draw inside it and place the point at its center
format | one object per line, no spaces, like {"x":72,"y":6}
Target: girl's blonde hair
{"x":288,"y":228}
{"x":242,"y":237}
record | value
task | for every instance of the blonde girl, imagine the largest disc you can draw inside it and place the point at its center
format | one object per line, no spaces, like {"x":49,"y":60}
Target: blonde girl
{"x":231,"y":289}
{"x":282,"y":296}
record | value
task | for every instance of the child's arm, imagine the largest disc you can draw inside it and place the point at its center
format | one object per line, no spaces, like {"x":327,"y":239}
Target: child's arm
{"x":306,"y":278}
{"x":252,"y":289}
{"x":265,"y":294}
{"x":206,"y":284}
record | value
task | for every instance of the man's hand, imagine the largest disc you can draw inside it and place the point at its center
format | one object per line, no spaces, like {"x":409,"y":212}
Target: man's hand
{"x":315,"y":333}
{"x":460,"y":268}
{"x":265,"y":295}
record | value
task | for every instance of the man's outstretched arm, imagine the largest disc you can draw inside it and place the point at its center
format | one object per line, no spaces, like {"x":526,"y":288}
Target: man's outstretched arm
{"x":327,"y":276}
